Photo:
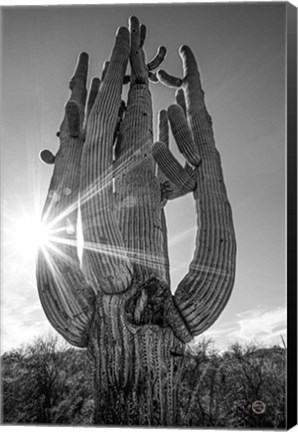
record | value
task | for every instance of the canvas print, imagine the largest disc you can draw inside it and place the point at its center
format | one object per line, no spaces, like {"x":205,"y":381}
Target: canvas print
{"x":143,"y":215}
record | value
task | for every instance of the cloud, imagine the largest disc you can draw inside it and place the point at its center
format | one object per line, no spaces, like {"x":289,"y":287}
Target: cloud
{"x":16,"y":331}
{"x":22,"y":317}
{"x":261,"y":325}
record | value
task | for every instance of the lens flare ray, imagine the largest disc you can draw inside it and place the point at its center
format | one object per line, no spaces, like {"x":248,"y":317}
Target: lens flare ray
{"x":56,"y":235}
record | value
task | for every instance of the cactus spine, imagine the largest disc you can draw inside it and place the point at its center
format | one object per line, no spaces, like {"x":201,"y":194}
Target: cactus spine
{"x":117,"y":303}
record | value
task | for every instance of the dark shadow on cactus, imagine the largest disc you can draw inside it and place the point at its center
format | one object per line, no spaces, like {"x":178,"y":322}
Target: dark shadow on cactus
{"x":147,"y":306}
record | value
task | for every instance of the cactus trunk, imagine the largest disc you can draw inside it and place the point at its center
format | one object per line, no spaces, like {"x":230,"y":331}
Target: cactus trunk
{"x":135,"y":375}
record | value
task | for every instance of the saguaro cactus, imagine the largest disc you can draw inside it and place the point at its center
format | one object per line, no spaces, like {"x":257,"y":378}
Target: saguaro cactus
{"x":117,"y":300}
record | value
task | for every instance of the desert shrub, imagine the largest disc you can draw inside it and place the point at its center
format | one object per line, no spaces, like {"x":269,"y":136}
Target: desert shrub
{"x":257,"y":374}
{"x":46,"y":383}
{"x":219,"y":390}
{"x":43,"y":384}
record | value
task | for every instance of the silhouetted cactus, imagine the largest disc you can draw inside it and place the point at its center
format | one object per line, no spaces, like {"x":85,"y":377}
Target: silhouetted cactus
{"x":118,"y":301}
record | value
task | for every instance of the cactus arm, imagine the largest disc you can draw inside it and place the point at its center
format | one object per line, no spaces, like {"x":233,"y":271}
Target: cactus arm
{"x":105,"y":262}
{"x":163,"y":136}
{"x":153,"y":77}
{"x":172,"y":168}
{"x":165,"y":248}
{"x":163,"y":127}
{"x":183,"y":135}
{"x":158,"y":59}
{"x":47,"y":157}
{"x":182,"y":179}
{"x":139,"y":69}
{"x":204,"y":291}
{"x":65,"y":296}
{"x":169,"y":191}
{"x":143,"y":33}
{"x":169,"y":80}
{"x":104,"y":69}
{"x":92,"y":95}
{"x":138,"y":42}
{"x":117,"y":135}
{"x":136,"y":185}
{"x":175,"y":181}
{"x":180,"y":99}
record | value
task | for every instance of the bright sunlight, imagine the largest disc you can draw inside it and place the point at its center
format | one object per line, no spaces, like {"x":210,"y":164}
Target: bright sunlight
{"x":28,"y":234}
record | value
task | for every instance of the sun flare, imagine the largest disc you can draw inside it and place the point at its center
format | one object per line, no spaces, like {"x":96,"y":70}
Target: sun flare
{"x":29,"y":234}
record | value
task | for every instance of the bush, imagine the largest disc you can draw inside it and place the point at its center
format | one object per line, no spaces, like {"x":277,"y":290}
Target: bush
{"x":221,"y":389}
{"x":46,"y":384}
{"x":41,"y":384}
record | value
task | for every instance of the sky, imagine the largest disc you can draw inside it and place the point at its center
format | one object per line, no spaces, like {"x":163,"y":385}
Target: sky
{"x":240,"y":49}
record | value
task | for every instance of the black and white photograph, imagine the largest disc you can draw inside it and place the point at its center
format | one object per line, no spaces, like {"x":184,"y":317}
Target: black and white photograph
{"x":144,"y":215}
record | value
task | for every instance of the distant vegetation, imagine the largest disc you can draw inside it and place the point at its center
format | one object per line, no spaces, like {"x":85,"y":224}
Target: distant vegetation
{"x":44,"y":383}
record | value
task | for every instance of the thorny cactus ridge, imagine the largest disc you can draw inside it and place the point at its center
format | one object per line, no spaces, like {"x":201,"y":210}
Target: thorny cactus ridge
{"x":117,"y":303}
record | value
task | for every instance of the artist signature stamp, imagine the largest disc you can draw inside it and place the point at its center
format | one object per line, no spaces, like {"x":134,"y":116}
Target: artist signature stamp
{"x":258,"y":407}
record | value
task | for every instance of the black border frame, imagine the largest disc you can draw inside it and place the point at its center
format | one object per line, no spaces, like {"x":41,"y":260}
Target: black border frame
{"x":291,"y":65}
